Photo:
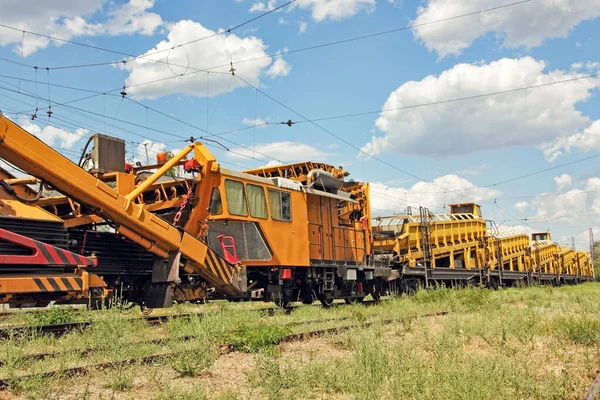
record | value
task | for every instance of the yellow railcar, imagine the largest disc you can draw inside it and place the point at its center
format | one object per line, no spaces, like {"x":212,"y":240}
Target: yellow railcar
{"x":461,"y":247}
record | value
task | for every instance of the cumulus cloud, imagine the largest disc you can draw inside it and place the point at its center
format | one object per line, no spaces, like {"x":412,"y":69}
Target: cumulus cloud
{"x":521,"y":206}
{"x":284,"y":151}
{"x":219,"y":50}
{"x":387,"y":199}
{"x":53,"y":136}
{"x":563,"y":182}
{"x":525,"y":25}
{"x":565,"y":213}
{"x":321,"y":10}
{"x":334,"y":10}
{"x":280,"y":67}
{"x":586,"y":140}
{"x":67,"y":19}
{"x":263,"y":6}
{"x":520,"y":118}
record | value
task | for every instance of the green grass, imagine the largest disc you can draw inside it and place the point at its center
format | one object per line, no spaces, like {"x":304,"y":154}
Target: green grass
{"x":530,"y":343}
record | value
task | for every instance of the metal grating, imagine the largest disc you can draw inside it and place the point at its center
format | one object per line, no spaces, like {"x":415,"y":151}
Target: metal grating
{"x":116,"y":255}
{"x":49,"y":232}
{"x":249,"y":242}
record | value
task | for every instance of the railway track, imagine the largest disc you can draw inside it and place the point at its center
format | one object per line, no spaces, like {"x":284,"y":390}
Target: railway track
{"x":224,"y":349}
{"x":64,"y":328}
{"x":160,"y":341}
{"x":61,"y":329}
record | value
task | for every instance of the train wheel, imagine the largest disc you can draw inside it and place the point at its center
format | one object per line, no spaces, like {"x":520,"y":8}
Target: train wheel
{"x":376,"y":296}
{"x":326,"y":302}
{"x":283,"y":303}
{"x":354,"y":300}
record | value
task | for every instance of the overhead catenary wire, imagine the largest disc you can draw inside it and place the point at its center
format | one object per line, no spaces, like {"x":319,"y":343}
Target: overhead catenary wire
{"x":134,"y":57}
{"x":413,"y":26}
{"x":281,"y":54}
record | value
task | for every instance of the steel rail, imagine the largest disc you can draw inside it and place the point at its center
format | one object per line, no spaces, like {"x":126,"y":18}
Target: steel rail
{"x":5,"y":383}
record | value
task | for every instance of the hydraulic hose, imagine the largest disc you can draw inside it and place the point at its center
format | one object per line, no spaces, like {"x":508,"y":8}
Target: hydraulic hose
{"x":12,"y":192}
{"x":85,"y":149}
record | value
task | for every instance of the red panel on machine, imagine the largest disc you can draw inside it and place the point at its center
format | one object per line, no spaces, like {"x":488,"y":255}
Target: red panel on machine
{"x":42,"y":253}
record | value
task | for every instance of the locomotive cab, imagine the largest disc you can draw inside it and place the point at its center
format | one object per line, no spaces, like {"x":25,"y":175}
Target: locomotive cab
{"x":537,"y":237}
{"x":466,"y":208}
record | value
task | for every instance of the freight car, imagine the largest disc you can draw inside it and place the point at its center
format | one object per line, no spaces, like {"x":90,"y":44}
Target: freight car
{"x":461,"y":248}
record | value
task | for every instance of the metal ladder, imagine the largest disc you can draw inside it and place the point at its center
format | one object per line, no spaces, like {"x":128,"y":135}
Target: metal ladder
{"x":425,"y":218}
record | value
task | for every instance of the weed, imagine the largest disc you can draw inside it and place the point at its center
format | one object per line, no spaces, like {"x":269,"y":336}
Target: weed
{"x":272,"y":379}
{"x":252,"y":339}
{"x":581,"y":329}
{"x":120,"y":379}
{"x":54,"y":315}
{"x":190,"y":359}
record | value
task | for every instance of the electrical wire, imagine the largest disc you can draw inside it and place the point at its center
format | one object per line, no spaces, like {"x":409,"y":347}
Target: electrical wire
{"x":134,"y":57}
{"x":293,"y":51}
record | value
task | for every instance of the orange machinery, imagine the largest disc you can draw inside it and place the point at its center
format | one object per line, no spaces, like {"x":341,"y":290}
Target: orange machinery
{"x":242,"y":234}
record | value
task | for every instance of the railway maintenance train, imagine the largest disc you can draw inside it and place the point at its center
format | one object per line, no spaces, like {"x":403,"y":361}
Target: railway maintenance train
{"x":296,"y":232}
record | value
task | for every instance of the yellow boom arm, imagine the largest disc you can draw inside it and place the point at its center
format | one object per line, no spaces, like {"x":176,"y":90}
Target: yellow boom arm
{"x":27,"y":152}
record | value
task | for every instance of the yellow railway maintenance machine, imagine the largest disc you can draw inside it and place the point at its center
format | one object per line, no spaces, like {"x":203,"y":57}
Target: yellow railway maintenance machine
{"x":460,"y":247}
{"x":301,"y":232}
{"x":427,"y":248}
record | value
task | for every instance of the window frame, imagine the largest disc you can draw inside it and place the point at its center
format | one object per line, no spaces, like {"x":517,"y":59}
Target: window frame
{"x":210,"y":205}
{"x":262,"y":188}
{"x":243,"y":195}
{"x":269,"y":190}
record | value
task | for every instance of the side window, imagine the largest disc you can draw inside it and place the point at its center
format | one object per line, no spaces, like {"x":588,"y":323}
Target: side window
{"x":479,"y":211}
{"x":236,"y":198}
{"x":281,"y":205}
{"x":257,"y":201}
{"x":216,"y":206}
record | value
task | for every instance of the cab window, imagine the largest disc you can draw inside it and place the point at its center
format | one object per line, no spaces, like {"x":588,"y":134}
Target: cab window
{"x":257,"y":201}
{"x":236,"y":197}
{"x":216,"y":206}
{"x":280,"y":205}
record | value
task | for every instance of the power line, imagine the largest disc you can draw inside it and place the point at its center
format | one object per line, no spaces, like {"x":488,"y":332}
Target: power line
{"x":433,"y":103}
{"x":134,"y":57}
{"x":293,"y":51}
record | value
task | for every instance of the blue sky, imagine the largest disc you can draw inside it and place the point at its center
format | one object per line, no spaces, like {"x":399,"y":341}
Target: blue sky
{"x":459,"y":149}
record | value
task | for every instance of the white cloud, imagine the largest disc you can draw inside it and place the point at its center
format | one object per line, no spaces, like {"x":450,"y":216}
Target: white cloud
{"x":219,"y":50}
{"x":260,"y":122}
{"x":52,"y":135}
{"x":585,"y":140}
{"x":282,"y":21}
{"x":521,"y":206}
{"x":563,"y":182}
{"x":152,"y":148}
{"x":334,"y":10}
{"x":283,"y":151}
{"x":567,"y":213}
{"x":280,"y":67}
{"x":520,"y":118}
{"x":261,"y":6}
{"x":525,"y":25}
{"x":67,"y":19}
{"x":302,"y":27}
{"x":386,"y":199}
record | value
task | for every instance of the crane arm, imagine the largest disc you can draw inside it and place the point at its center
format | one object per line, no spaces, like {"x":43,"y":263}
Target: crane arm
{"x":27,"y":152}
